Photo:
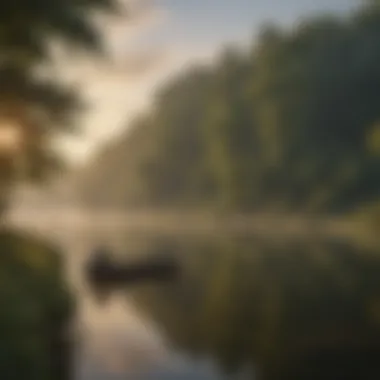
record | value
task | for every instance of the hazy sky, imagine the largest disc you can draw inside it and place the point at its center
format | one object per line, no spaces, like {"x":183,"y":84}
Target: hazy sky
{"x":163,"y":36}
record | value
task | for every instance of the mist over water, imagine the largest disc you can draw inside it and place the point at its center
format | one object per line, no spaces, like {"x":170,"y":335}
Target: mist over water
{"x":307,"y":309}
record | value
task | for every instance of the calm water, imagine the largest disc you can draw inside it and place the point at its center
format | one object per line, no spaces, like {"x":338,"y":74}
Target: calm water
{"x":279,"y":309}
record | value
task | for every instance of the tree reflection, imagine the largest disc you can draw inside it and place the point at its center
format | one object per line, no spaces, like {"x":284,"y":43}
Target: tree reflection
{"x":297,"y":311}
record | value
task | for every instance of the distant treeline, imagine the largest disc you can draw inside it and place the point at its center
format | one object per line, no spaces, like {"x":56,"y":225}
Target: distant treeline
{"x":291,"y":124}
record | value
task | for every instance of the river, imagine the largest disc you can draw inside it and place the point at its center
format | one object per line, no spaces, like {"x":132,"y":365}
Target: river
{"x":113,"y":340}
{"x":290,"y":309}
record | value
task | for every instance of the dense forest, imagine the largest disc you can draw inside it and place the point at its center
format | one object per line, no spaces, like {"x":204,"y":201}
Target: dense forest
{"x":290,"y":124}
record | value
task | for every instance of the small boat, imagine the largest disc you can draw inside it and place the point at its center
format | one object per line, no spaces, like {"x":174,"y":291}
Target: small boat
{"x":102,"y":272}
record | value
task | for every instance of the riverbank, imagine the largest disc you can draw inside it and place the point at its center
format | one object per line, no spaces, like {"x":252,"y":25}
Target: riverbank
{"x":37,"y":309}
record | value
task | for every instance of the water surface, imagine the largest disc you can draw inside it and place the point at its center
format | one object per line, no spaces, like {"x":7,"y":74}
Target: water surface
{"x":243,"y":306}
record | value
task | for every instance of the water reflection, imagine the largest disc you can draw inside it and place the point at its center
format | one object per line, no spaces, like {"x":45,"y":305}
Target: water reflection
{"x":114,"y":341}
{"x":290,"y":311}
{"x":241,"y":307}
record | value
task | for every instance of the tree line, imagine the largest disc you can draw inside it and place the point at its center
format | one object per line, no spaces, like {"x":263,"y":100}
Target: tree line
{"x":291,"y":124}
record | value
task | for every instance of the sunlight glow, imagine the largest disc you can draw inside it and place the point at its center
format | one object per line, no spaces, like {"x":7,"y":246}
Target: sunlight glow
{"x":10,"y":137}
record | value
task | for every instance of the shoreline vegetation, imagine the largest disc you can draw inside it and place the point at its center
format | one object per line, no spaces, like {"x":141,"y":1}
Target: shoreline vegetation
{"x":37,"y":309}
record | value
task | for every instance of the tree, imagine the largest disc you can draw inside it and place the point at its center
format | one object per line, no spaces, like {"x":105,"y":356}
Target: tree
{"x":37,"y":305}
{"x":32,"y":105}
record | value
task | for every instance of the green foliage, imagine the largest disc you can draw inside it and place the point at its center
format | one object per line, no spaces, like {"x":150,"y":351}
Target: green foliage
{"x":36,"y":311}
{"x":37,"y":105}
{"x":288,"y":125}
{"x":28,"y":27}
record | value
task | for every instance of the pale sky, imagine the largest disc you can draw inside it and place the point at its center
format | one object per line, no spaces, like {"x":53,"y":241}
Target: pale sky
{"x":163,"y":37}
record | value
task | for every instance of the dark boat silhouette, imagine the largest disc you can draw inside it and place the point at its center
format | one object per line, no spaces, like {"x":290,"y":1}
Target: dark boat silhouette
{"x":105,"y":275}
